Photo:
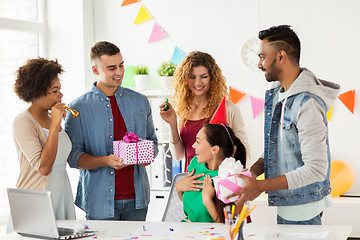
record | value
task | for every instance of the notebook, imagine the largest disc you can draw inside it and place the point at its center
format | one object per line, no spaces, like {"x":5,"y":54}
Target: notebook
{"x":33,"y":215}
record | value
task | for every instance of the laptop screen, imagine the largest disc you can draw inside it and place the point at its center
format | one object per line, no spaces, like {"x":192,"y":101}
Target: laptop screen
{"x":32,"y":212}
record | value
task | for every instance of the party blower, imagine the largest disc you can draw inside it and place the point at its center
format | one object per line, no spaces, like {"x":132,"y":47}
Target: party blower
{"x":73,"y":112}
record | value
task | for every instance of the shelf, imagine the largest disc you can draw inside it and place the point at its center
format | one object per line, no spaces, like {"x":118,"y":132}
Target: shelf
{"x":160,"y":171}
{"x":156,"y":93}
{"x":164,"y":189}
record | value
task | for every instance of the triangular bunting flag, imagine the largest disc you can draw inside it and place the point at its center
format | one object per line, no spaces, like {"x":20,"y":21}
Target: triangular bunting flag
{"x":348,"y":99}
{"x":157,"y":33}
{"x":220,"y":115}
{"x":329,"y":113}
{"x":143,"y":15}
{"x":128,"y":2}
{"x":177,"y":56}
{"x":257,"y":105}
{"x":235,"y":95}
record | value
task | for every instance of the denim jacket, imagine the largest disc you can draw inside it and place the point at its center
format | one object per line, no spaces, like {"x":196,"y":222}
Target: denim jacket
{"x":92,"y":133}
{"x":285,"y":148}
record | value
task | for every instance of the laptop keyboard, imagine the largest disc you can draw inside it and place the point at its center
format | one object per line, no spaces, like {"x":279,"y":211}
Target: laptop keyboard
{"x":68,"y":233}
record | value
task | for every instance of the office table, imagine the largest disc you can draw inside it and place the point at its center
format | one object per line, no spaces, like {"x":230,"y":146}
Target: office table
{"x":116,"y":230}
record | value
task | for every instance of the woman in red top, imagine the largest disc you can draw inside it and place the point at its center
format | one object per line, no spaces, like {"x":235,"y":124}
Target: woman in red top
{"x":197,"y":89}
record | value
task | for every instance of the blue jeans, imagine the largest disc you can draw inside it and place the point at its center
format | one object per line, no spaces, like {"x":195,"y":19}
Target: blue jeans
{"x":124,"y":210}
{"x":314,"y":221}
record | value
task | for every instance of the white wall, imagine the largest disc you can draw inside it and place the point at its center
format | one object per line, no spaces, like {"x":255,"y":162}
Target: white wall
{"x":69,"y":23}
{"x":328,"y":31}
{"x":70,"y":34}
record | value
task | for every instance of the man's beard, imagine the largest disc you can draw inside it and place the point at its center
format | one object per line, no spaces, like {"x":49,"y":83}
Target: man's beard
{"x":272,"y":73}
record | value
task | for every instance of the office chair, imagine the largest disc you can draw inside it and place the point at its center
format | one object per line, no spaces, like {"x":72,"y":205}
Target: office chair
{"x":174,"y":206}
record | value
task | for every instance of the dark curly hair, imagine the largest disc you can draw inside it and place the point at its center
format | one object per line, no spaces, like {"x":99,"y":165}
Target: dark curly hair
{"x":284,"y":38}
{"x":34,"y":79}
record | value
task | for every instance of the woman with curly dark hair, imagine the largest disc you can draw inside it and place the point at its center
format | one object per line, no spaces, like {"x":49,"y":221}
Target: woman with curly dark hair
{"x":197,"y":89}
{"x":41,"y":142}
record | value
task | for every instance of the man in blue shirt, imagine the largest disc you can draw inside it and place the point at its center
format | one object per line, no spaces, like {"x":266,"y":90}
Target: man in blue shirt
{"x":107,"y":188}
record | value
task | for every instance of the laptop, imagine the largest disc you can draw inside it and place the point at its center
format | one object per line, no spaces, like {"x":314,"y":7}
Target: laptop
{"x":33,"y":215}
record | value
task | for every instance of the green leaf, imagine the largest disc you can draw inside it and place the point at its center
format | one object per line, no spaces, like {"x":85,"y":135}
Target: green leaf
{"x":166,"y":69}
{"x":141,"y":70}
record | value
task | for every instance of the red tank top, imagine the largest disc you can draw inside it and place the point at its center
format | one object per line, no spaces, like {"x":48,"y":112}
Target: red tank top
{"x":188,"y":136}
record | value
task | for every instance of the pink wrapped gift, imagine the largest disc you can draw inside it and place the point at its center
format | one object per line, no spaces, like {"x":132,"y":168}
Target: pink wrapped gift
{"x":134,"y":150}
{"x":226,"y":182}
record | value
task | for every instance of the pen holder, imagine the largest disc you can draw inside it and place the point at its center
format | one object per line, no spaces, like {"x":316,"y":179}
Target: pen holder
{"x":241,"y":232}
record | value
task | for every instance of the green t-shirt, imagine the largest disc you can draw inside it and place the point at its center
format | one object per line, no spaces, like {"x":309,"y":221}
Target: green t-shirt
{"x":194,"y":208}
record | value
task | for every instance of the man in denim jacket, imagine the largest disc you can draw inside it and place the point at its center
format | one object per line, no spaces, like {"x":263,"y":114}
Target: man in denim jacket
{"x":296,"y":160}
{"x":107,"y":188}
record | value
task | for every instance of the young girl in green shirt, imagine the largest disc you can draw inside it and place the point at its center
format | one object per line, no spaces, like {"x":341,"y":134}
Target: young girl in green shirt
{"x":213,"y":144}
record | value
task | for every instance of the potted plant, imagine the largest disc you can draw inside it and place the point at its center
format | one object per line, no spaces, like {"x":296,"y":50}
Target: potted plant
{"x":142,"y":78}
{"x":166,"y":72}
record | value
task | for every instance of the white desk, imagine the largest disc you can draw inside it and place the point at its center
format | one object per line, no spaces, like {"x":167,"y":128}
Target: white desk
{"x":343,"y":211}
{"x":122,"y":230}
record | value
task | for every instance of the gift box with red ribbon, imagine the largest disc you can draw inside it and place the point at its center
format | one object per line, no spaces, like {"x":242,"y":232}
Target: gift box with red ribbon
{"x":134,"y":150}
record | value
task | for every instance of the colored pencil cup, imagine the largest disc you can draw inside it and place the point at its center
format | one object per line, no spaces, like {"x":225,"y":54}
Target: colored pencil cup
{"x":240,"y":235}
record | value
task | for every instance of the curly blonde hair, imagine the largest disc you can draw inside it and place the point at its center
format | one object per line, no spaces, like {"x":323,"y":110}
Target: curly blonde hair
{"x":182,"y":96}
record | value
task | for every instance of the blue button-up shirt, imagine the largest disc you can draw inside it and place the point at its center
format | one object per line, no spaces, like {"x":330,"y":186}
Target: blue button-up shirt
{"x":92,"y":132}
